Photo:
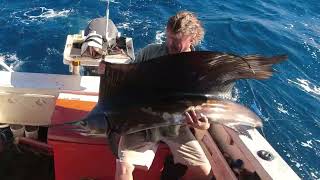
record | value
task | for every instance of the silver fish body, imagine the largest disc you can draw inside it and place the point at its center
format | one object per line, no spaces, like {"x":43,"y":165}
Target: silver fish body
{"x":137,"y":118}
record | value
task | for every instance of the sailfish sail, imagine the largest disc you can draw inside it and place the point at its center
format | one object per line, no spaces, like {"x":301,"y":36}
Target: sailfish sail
{"x":200,"y":72}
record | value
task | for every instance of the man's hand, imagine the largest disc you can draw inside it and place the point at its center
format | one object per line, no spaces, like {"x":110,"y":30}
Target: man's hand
{"x":196,"y":122}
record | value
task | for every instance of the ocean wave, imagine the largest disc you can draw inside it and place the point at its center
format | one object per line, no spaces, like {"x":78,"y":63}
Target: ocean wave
{"x":38,"y":15}
{"x":282,"y":109}
{"x":312,"y":47}
{"x":236,"y":94}
{"x":125,"y":26}
{"x":52,"y":51}
{"x":11,"y":60}
{"x":160,"y":37}
{"x":307,"y":144}
{"x":44,"y":13}
{"x":289,"y":26}
{"x":306,"y":86}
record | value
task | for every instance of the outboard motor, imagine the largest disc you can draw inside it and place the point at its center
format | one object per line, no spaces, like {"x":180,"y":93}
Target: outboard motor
{"x":99,"y":26}
{"x":97,"y":45}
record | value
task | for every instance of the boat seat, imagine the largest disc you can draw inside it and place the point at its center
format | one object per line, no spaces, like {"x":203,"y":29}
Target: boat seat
{"x":27,"y":108}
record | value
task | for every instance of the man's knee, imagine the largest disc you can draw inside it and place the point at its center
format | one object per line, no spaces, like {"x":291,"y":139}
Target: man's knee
{"x":206,"y":169}
{"x":124,"y":168}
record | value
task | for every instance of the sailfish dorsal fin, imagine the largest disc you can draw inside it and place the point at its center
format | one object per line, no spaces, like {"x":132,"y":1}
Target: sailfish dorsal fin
{"x":200,"y":72}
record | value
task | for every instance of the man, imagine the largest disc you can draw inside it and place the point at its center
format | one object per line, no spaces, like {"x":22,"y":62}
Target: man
{"x":183,"y":32}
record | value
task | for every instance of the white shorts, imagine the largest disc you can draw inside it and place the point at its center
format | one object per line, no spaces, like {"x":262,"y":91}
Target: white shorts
{"x":184,"y":147}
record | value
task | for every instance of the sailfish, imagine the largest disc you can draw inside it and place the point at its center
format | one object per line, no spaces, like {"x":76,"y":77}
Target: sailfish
{"x":156,"y":93}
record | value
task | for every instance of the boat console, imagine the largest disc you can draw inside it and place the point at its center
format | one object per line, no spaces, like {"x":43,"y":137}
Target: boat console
{"x":91,"y":46}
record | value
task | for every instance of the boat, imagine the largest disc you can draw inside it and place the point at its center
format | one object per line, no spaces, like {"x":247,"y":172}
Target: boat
{"x":37,"y":99}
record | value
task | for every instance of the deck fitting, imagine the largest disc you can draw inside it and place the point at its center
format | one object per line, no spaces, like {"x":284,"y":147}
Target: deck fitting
{"x":265,"y":155}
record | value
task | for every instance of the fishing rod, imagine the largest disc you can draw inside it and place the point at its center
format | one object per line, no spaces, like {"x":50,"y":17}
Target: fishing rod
{"x":107,"y":16}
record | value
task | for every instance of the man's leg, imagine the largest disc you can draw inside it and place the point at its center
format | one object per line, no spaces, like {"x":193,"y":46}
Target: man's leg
{"x":131,"y":152}
{"x":124,"y":171}
{"x":187,"y":151}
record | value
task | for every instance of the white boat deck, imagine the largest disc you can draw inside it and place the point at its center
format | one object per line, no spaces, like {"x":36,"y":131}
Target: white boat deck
{"x":29,"y":98}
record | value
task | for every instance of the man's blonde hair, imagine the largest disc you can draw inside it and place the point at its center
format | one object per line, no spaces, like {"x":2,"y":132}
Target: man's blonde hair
{"x":187,"y":23}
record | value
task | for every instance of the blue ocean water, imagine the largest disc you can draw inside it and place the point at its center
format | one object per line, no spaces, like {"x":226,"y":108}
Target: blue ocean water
{"x":33,"y":33}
